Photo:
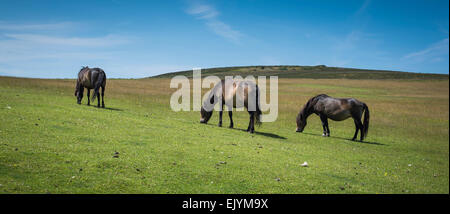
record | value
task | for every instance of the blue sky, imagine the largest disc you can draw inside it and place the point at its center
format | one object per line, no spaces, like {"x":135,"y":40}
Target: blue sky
{"x":133,"y":39}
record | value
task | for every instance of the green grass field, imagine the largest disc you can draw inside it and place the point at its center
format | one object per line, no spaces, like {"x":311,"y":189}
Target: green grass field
{"x":49,"y":144}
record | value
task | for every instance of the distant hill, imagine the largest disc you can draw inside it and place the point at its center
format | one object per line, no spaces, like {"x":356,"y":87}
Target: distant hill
{"x":314,"y":72}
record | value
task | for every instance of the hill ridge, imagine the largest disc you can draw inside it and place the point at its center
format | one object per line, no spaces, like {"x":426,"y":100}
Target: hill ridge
{"x":312,"y":72}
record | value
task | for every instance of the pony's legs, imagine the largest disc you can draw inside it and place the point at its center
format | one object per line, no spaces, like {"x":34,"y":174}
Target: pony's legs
{"x":326,"y":130}
{"x":89,"y":96}
{"x":98,"y":99}
{"x":356,"y":130}
{"x":361,"y":131}
{"x":249,"y":122}
{"x":80,"y":94}
{"x":359,"y":126}
{"x":220,"y":116}
{"x":230,"y":114}
{"x":253,"y":122}
{"x":251,"y":127}
{"x":103,"y":99}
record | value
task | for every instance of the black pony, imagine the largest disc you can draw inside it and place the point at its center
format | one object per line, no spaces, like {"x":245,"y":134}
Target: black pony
{"x":91,"y":78}
{"x":337,"y":109}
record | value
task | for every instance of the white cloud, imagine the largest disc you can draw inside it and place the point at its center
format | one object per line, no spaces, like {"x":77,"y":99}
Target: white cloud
{"x":431,"y":53}
{"x":26,"y":27}
{"x":224,"y":30}
{"x":203,"y":11}
{"x":108,"y":40}
{"x":40,"y":50}
{"x":209,"y":14}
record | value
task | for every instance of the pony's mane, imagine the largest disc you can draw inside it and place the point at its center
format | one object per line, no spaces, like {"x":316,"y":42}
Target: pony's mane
{"x":314,"y":99}
{"x":212,"y":94}
{"x":311,"y":102}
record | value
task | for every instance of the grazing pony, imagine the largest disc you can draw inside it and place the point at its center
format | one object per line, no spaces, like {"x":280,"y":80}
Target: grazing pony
{"x":237,"y":94}
{"x":337,"y":109}
{"x":91,"y":78}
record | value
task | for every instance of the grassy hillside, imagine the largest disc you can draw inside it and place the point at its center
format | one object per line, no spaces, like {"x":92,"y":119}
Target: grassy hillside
{"x":49,"y":144}
{"x":313,"y":72}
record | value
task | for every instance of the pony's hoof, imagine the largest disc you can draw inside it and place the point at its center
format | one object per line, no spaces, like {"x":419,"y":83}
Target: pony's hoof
{"x":88,"y":104}
{"x":219,"y":125}
{"x":324,"y":135}
{"x":103,"y":106}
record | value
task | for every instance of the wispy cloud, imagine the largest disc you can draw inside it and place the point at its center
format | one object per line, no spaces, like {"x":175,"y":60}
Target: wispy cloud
{"x":7,"y":26}
{"x":108,"y":40}
{"x":210,"y":15}
{"x":433,"y":53}
{"x":203,"y":11}
{"x":44,"y":49}
{"x":363,"y":8}
{"x":224,"y":30}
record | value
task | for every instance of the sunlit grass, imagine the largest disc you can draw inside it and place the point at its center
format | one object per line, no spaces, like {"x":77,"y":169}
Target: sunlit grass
{"x":48,"y":143}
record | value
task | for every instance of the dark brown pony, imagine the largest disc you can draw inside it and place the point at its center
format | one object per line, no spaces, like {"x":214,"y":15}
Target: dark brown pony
{"x":337,"y":109}
{"x":91,"y":78}
{"x":233,"y":94}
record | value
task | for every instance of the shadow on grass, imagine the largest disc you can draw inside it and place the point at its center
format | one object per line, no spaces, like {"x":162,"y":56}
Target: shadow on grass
{"x":108,"y":108}
{"x":258,"y":133}
{"x":264,"y":134}
{"x":366,"y":142}
{"x":113,"y":109}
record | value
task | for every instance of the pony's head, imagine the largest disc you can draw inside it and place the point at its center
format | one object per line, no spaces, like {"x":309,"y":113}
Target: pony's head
{"x":79,"y":93}
{"x":301,"y":121}
{"x":207,"y":108}
{"x":78,"y":88}
{"x":303,"y":115}
{"x":205,"y":115}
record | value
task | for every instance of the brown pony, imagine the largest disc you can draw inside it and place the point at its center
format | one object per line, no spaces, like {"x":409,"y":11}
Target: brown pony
{"x":233,"y":94}
{"x":337,"y":109}
{"x":91,"y":78}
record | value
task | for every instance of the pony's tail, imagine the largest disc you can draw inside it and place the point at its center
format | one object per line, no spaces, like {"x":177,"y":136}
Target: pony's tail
{"x":100,"y":79}
{"x":366,"y":120}
{"x":258,"y":112}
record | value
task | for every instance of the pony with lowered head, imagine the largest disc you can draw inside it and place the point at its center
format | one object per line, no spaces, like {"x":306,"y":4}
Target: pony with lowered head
{"x":337,"y":109}
{"x":233,"y":94}
{"x":91,"y":78}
